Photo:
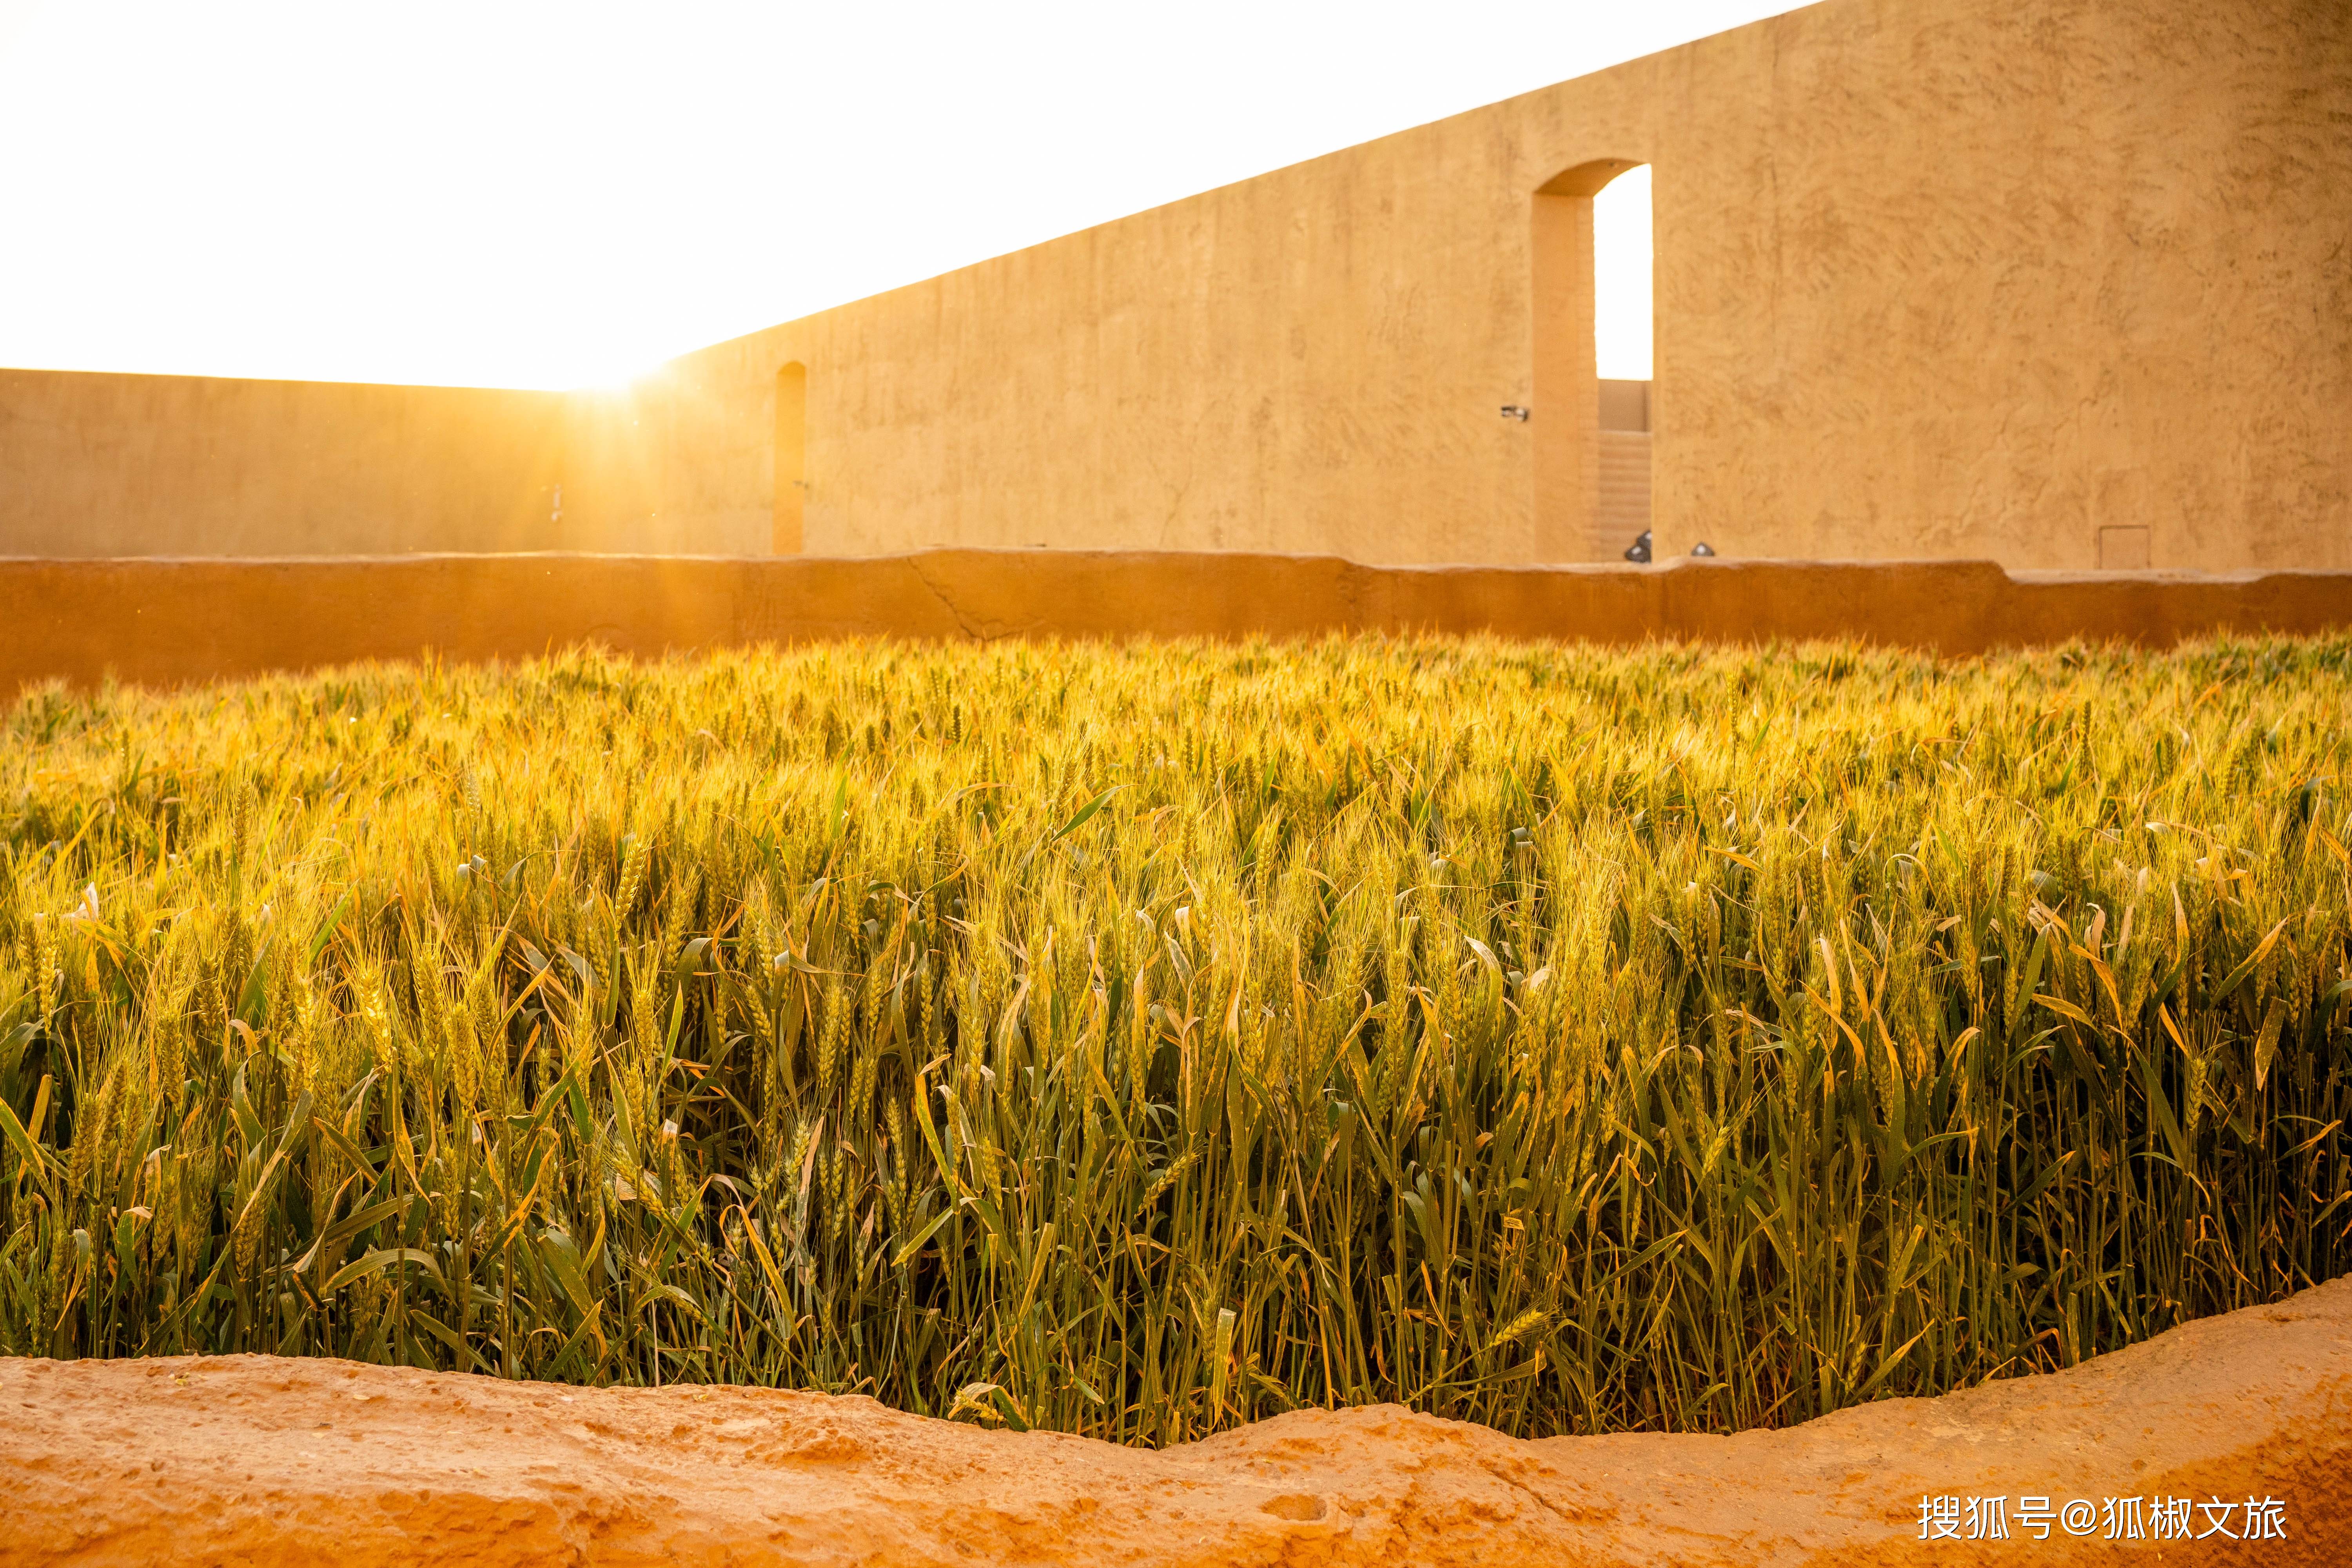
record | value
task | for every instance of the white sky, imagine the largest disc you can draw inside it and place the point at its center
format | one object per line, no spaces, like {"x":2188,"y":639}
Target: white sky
{"x":562,"y":195}
{"x":1620,"y":276}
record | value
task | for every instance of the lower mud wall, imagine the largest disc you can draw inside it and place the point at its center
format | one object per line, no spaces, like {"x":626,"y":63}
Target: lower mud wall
{"x":168,"y":622}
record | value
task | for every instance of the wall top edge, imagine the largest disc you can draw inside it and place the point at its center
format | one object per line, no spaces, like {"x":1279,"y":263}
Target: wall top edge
{"x":1783,"y":24}
{"x":61,"y":372}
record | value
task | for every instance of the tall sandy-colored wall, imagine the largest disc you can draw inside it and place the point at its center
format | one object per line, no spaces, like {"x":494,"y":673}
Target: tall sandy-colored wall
{"x":1935,"y":278}
{"x":94,"y":465}
{"x":1987,"y":277}
{"x":1939,"y":278}
{"x":106,"y":464}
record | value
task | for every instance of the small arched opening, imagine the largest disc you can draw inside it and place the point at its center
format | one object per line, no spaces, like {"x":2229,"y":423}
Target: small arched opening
{"x":791,"y":460}
{"x":1592,"y":382}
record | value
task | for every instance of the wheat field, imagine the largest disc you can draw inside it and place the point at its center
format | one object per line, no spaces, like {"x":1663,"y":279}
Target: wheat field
{"x":1137,"y":1040}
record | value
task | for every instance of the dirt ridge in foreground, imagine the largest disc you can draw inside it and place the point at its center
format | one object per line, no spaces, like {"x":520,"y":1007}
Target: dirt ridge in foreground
{"x":252,"y":1460}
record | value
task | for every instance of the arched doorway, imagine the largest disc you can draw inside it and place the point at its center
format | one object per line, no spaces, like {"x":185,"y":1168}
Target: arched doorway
{"x":1590,"y":437}
{"x":791,"y":460}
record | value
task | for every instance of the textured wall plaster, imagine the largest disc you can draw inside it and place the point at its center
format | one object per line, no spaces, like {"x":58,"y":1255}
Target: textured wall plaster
{"x":167,"y":622}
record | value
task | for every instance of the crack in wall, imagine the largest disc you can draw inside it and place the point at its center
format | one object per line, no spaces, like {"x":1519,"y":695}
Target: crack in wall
{"x":915,"y":563}
{"x":1191,"y":467}
{"x":948,"y":602}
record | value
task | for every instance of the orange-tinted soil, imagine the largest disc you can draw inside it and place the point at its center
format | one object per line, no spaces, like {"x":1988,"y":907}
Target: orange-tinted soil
{"x":248,"y":1459}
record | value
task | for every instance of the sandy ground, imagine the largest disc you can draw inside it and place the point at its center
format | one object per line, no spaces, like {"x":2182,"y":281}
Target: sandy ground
{"x":248,"y":1459}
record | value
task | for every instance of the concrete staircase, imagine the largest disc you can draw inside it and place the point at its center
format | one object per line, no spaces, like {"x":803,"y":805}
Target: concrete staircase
{"x":1624,"y":509}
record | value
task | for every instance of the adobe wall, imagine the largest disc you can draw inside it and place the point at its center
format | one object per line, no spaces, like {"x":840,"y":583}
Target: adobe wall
{"x":1935,"y":279}
{"x":102,"y":465}
{"x":172,"y":622}
{"x":111,"y":464}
